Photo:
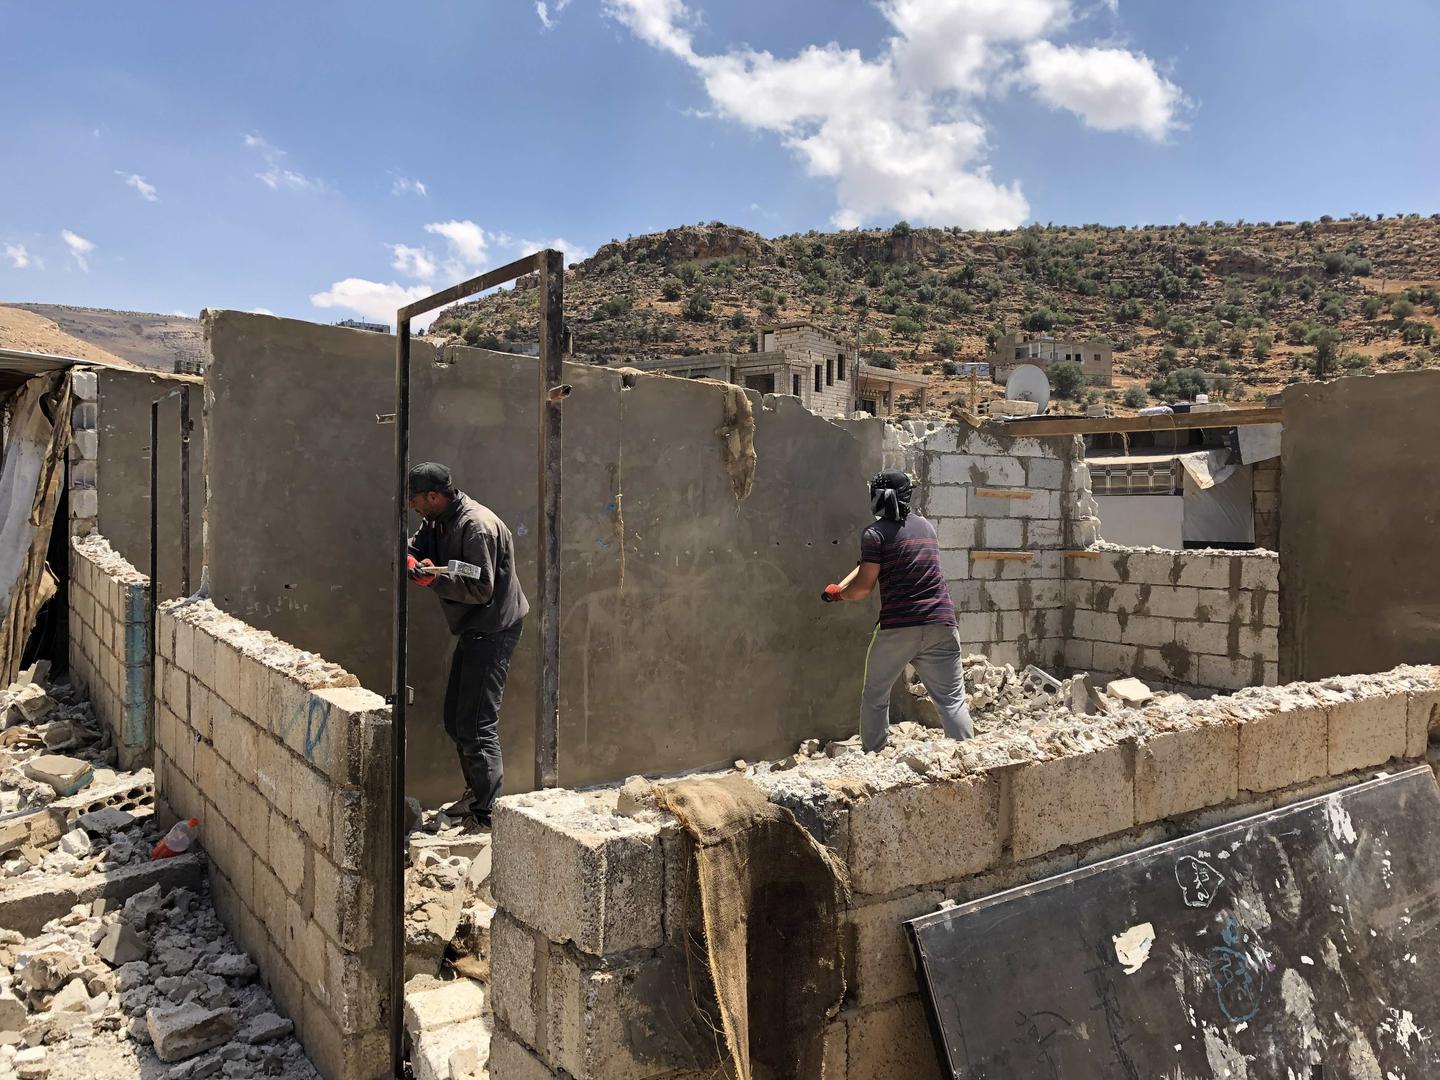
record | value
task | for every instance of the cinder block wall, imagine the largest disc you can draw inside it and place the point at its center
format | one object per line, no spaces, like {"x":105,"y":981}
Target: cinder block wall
{"x":1192,"y":618}
{"x":283,"y":758}
{"x":589,"y":971}
{"x":990,"y":495}
{"x":109,"y":620}
{"x":84,"y":453}
{"x":1265,"y":500}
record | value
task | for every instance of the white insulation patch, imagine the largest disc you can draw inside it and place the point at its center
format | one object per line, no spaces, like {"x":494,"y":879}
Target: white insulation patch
{"x":1132,"y":948}
{"x":1340,"y":824}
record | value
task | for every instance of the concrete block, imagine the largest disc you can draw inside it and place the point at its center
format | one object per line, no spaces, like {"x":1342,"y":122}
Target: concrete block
{"x":1180,"y":771}
{"x":947,"y":502}
{"x":305,"y":946}
{"x":1368,"y":731}
{"x":1071,"y":799}
{"x":441,"y":1005}
{"x":884,"y":966}
{"x":1043,"y":533}
{"x":892,"y":1041}
{"x":1151,"y":568}
{"x":358,"y":996}
{"x":955,"y":534}
{"x":203,"y":643}
{"x":604,"y":891}
{"x":84,"y":384}
{"x":1118,"y":659}
{"x":975,"y":626}
{"x":287,"y":853}
{"x":1044,"y":473}
{"x":1147,"y":630}
{"x":1203,"y":638}
{"x":327,"y":728}
{"x":955,"y":565}
{"x":184,"y":646}
{"x":227,"y":673}
{"x":1000,"y":534}
{"x":1046,"y":564}
{"x":84,"y":502}
{"x":273,"y":765}
{"x":311,"y":797}
{"x":236,"y":739}
{"x":511,"y":1059}
{"x":513,"y":964}
{"x":336,"y":1054}
{"x":1283,"y":748}
{"x":1201,"y":571}
{"x":229,"y":853}
{"x":344,"y":905}
{"x":1096,"y":626}
{"x":1040,"y":504}
{"x":1170,"y":602}
{"x":270,"y":900}
{"x":923,"y":833}
{"x":1079,"y":655}
{"x":202,"y":710}
{"x":1222,"y":673}
{"x":1261,"y":572}
{"x":1422,"y":718}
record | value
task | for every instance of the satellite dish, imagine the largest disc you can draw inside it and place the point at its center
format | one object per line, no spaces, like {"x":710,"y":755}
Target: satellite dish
{"x":1028,"y":383}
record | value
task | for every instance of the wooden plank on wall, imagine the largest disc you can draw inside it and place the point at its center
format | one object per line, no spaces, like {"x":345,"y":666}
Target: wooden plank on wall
{"x":1101,"y":425}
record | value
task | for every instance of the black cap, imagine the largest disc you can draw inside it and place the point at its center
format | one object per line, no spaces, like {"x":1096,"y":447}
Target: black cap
{"x":430,"y":476}
{"x":896,"y":481}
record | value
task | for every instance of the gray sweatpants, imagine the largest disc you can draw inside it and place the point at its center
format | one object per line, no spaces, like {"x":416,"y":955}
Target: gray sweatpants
{"x":934,"y":651}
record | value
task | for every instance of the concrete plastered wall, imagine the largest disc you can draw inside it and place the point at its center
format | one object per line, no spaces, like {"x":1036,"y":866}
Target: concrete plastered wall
{"x":1359,"y":581}
{"x":588,"y":952}
{"x":284,"y":761}
{"x":122,"y":469}
{"x":691,"y":625}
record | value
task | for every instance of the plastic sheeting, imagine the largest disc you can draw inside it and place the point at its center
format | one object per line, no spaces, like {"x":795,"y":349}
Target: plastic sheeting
{"x":1221,"y":513}
{"x":29,"y":491}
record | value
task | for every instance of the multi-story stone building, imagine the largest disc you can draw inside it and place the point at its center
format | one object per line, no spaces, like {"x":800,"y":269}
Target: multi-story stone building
{"x":1095,"y":356}
{"x":803,"y":361}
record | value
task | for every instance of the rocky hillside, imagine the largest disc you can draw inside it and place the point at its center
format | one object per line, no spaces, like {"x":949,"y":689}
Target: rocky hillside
{"x":1240,"y":308}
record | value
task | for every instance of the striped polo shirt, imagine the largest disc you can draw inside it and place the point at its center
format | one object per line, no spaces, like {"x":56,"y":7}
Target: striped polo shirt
{"x":913,"y":591}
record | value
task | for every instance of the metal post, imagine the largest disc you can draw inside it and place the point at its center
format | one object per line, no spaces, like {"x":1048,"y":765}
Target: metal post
{"x":185,"y":492}
{"x":547,"y":682}
{"x":400,"y":696}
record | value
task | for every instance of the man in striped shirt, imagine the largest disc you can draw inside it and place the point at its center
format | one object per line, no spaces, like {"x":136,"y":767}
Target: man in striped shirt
{"x":899,"y":552}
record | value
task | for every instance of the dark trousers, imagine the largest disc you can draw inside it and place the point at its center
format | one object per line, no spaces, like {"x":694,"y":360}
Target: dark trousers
{"x":472,"y":711}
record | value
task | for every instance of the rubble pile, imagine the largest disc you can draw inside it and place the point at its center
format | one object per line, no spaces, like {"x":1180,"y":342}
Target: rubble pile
{"x":448,"y":906}
{"x":63,"y":808}
{"x":151,"y":987}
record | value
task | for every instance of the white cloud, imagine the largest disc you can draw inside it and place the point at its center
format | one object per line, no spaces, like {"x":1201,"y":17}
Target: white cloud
{"x":276,"y":175}
{"x":899,"y":133}
{"x":1109,"y":89}
{"x":573,"y":253}
{"x":404,"y":185}
{"x":261,"y":311}
{"x":372,"y":299}
{"x":468,"y":242}
{"x":80,"y":248}
{"x":181,"y":314}
{"x":147,"y":191}
{"x":18,"y":256}
{"x":417,"y":262}
{"x":547,"y":19}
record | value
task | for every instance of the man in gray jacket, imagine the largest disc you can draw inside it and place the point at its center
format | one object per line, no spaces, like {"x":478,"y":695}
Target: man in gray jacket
{"x":484,"y":613}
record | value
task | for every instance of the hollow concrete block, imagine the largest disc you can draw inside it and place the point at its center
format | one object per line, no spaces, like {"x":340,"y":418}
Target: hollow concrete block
{"x":1283,"y":748}
{"x":1071,"y":799}
{"x":603,"y":891}
{"x":884,"y":967}
{"x":1423,"y":717}
{"x":1180,"y":771}
{"x":1367,"y":731}
{"x":891,"y":1041}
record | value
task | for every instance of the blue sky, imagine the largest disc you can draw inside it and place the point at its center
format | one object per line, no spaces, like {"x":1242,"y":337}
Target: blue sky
{"x":323,"y":160}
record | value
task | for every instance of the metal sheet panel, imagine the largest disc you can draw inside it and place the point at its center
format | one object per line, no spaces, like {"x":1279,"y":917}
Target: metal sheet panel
{"x":1300,"y":943}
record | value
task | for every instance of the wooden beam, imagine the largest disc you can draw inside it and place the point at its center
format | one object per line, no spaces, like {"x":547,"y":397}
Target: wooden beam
{"x":1004,"y":493}
{"x":1010,"y":556}
{"x":1103,"y":425}
{"x":1080,"y":554}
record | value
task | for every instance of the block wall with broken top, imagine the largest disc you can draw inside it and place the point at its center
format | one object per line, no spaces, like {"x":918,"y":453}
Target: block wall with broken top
{"x":595,"y":893}
{"x":1206,"y":619}
{"x":109,"y":623}
{"x":283,"y":758}
{"x":1006,"y":510}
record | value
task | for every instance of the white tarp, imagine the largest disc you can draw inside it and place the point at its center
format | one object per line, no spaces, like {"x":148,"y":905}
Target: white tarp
{"x":29,"y":491}
{"x":1222,"y":513}
{"x":1206,"y":468}
{"x":1258,"y":442}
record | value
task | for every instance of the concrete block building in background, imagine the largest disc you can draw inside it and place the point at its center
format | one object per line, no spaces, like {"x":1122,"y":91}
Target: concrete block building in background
{"x":1095,"y":356}
{"x":801,"y":360}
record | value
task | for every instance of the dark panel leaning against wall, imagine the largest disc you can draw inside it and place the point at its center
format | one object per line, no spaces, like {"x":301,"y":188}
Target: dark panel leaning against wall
{"x":1359,"y":584}
{"x":691,"y":627}
{"x":123,"y":471}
